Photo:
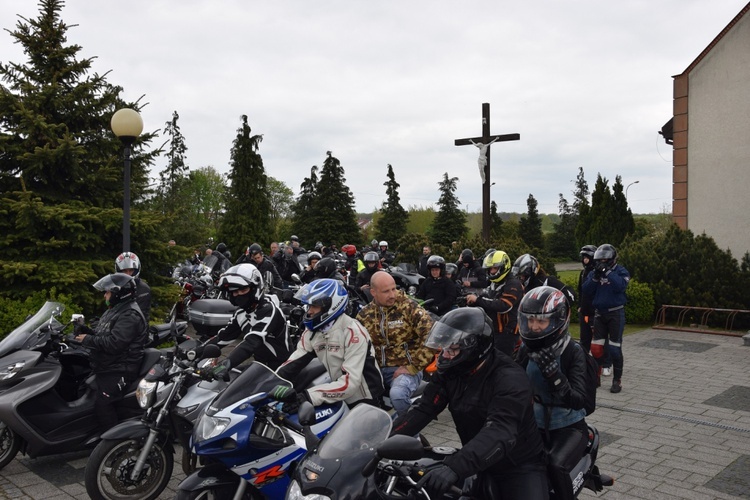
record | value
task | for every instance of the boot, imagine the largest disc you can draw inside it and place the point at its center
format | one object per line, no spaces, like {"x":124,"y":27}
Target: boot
{"x":616,"y":386}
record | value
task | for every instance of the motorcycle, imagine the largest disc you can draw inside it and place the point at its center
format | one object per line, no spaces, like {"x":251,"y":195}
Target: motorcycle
{"x":135,"y":458}
{"x":46,"y":391}
{"x":406,"y":278}
{"x":248,"y":443}
{"x":358,"y":460}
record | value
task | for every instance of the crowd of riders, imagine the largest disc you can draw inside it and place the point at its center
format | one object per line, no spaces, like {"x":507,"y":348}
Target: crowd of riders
{"x":492,"y":343}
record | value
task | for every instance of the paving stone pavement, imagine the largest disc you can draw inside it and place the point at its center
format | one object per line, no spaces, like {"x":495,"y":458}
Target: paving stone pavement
{"x":680,"y":428}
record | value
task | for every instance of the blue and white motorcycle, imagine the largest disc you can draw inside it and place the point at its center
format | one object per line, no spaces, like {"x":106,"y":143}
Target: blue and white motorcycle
{"x":248,"y":444}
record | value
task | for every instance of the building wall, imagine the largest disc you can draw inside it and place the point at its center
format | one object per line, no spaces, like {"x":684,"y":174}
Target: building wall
{"x":718,"y":142}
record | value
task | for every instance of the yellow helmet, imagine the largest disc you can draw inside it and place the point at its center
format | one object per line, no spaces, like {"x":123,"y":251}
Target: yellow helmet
{"x":498,"y":266}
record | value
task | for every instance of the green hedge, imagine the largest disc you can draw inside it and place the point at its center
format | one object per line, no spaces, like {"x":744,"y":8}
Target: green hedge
{"x":639,"y":308}
{"x":15,"y":312}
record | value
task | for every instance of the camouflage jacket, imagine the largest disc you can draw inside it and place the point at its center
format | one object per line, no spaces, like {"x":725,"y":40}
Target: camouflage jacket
{"x":399,"y":333}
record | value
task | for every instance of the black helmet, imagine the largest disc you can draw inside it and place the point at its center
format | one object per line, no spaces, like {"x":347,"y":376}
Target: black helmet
{"x":588,"y":251}
{"x":221,"y":247}
{"x":452,"y":269}
{"x":436,"y":261}
{"x":253,"y":249}
{"x":544,"y":303}
{"x":120,"y":285}
{"x":325,"y":268}
{"x":240,"y":277}
{"x":467,"y":329}
{"x":525,"y":267}
{"x":371,"y":257}
{"x":606,"y":255}
{"x":467,"y":256}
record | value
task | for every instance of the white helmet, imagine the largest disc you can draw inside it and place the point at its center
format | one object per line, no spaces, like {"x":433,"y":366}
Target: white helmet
{"x":240,"y":277}
{"x":383,"y":244}
{"x":128,"y":260}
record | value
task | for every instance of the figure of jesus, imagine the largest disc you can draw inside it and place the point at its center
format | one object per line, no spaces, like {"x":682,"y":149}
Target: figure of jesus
{"x":482,"y":156}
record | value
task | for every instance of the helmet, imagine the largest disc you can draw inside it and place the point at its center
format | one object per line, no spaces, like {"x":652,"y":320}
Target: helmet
{"x":525,"y":267}
{"x":221,"y":247}
{"x":253,"y":249}
{"x":294,"y":238}
{"x":470,"y":329}
{"x":606,"y":255}
{"x":371,"y":257}
{"x":452,"y":269}
{"x":349,"y":250}
{"x":383,"y":244}
{"x":325,"y":268}
{"x":498,"y":264}
{"x":313,"y":256}
{"x":467,"y":256}
{"x":328,"y":294}
{"x":318,"y":246}
{"x":544,"y":303}
{"x":436,"y":261}
{"x":239,"y":277}
{"x":128,"y":260}
{"x":374,"y":243}
{"x":588,"y":251}
{"x":122,"y":287}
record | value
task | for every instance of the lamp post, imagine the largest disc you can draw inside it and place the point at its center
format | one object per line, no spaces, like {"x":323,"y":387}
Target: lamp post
{"x":127,"y":124}
{"x":626,"y":189}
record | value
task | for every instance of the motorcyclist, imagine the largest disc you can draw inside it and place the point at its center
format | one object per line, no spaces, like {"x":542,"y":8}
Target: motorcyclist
{"x":296,"y":248}
{"x":257,"y":319}
{"x":490,"y":399}
{"x":531,"y":275}
{"x":500,"y":300}
{"x":556,"y":366}
{"x":308,"y":273}
{"x":353,"y":263}
{"x":326,"y":268}
{"x":222,"y":248}
{"x":372,"y":265}
{"x":256,"y":257}
{"x":130,"y":264}
{"x":117,"y":345}
{"x":437,"y":287}
{"x":470,"y":272}
{"x":287,"y":265}
{"x":340,"y":342}
{"x":585,"y":300}
{"x":386,"y":257}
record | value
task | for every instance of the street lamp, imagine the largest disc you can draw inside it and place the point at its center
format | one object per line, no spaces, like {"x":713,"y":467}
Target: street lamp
{"x":127,"y":124}
{"x":626,"y":189}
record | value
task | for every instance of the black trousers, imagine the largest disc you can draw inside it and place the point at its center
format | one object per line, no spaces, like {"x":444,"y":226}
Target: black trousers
{"x":110,"y":387}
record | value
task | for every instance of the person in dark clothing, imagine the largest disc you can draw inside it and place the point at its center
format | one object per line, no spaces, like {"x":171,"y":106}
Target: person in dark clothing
{"x":471,"y":274}
{"x":296,"y":248}
{"x":422,"y":265}
{"x":308,"y":273}
{"x":500,"y":300}
{"x":257,"y":319}
{"x":531,"y":275}
{"x":607,"y":284}
{"x":352,"y":263}
{"x":437,"y":287}
{"x":372,"y":265}
{"x":556,"y":366}
{"x":585,"y":300}
{"x":264,"y":265}
{"x":117,"y":345}
{"x":490,"y":399}
{"x":130,"y":264}
{"x":386,"y":257}
{"x":287,"y":265}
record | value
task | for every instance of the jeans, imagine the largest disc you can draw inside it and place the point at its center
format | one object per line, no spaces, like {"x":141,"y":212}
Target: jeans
{"x":400,"y":389}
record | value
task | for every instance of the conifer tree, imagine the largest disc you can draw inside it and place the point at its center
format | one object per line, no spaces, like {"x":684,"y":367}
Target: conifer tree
{"x":174,"y":174}
{"x":530,"y":225}
{"x":599,"y":230}
{"x":333,"y":210}
{"x":247,"y":218}
{"x":303,"y":218}
{"x":391,"y":225}
{"x":562,"y":241}
{"x":622,"y":222}
{"x":496,"y":227}
{"x":450,"y":221}
{"x":582,"y":209}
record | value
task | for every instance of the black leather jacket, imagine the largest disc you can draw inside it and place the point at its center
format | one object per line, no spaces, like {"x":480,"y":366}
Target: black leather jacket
{"x":117,"y":344}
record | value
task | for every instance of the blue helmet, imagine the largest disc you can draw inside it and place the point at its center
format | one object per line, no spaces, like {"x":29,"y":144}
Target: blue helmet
{"x":328,"y":294}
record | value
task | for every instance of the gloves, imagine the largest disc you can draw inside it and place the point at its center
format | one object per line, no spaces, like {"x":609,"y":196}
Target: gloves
{"x":438,"y":481}
{"x":547,"y":362}
{"x":291,"y":398}
{"x":221,"y":371}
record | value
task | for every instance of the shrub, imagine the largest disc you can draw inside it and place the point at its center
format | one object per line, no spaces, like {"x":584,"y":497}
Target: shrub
{"x":15,"y":312}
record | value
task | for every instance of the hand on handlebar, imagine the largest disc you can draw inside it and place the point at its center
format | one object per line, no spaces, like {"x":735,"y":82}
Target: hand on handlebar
{"x":438,"y":480}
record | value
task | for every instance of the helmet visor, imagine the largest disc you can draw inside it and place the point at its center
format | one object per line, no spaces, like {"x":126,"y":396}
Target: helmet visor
{"x":444,"y":336}
{"x":105,"y":284}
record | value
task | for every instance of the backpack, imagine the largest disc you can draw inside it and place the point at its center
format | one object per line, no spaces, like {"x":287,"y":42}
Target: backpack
{"x":592,"y":377}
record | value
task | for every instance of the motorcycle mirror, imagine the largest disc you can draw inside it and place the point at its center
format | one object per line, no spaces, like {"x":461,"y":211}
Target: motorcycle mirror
{"x":211,"y":351}
{"x":306,"y":414}
{"x":395,"y":448}
{"x":77,"y":319}
{"x":295,"y":278}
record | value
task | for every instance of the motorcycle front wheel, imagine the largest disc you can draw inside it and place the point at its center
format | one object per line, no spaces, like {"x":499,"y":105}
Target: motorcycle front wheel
{"x":110,"y":464}
{"x":10,"y":442}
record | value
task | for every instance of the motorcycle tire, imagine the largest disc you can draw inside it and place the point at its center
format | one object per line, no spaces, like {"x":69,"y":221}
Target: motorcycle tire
{"x":107,"y":473}
{"x":10,"y":443}
{"x":218,"y":493}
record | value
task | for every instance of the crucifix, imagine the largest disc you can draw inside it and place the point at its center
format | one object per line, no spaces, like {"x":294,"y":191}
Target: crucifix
{"x":483,"y":144}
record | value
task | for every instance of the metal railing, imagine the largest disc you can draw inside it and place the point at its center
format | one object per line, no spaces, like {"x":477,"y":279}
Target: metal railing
{"x":697,"y":319}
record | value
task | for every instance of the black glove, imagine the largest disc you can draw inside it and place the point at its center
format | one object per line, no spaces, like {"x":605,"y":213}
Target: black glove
{"x":287,"y":296}
{"x":438,"y":481}
{"x":293,"y":406}
{"x":547,"y":362}
{"x":221,"y":371}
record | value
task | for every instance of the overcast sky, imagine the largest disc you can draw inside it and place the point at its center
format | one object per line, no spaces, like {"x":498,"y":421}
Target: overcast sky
{"x":587,"y":83}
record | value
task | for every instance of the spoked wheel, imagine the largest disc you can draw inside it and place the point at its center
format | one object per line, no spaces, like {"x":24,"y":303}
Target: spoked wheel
{"x":111,"y":463}
{"x":10,"y":442}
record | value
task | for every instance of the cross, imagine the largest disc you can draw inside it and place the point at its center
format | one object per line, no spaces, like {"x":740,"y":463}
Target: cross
{"x":483,"y":143}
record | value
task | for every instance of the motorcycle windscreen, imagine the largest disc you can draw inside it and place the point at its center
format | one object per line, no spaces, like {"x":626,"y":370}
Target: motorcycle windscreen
{"x":362,"y":428}
{"x":29,"y":334}
{"x":253,"y":383}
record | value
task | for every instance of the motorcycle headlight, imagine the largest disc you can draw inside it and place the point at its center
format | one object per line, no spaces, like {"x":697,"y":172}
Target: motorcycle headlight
{"x":10,"y":371}
{"x":145,"y":394}
{"x":208,"y":427}
{"x":295,"y":493}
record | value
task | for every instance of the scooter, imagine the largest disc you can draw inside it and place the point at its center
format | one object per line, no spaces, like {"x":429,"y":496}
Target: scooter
{"x":46,"y":393}
{"x":358,"y":460}
{"x":135,"y":458}
{"x":248,"y":443}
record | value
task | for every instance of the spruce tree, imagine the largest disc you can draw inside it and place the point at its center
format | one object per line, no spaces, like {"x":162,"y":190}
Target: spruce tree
{"x":530,"y":225}
{"x":602,"y":214}
{"x":176,"y":171}
{"x":562,"y":241}
{"x":391,"y":225}
{"x":496,"y":227}
{"x":247,"y":217}
{"x":303,"y":217}
{"x":582,"y":209}
{"x":333,"y":210}
{"x":622,"y":218}
{"x":450,"y":221}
